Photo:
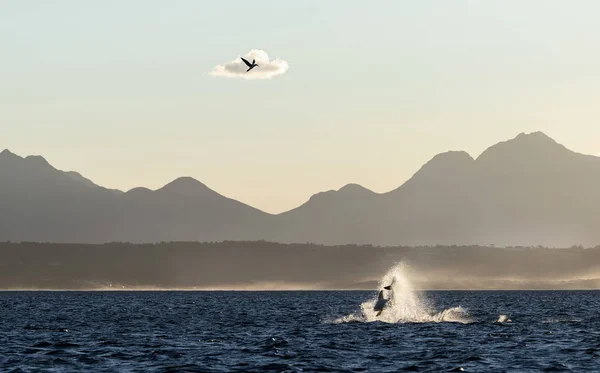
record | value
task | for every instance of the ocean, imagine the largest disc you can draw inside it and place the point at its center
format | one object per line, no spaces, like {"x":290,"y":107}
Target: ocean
{"x":300,"y":331}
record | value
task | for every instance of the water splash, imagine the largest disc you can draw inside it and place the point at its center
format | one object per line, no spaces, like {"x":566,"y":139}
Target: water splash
{"x":405,"y":304}
{"x":503,"y":319}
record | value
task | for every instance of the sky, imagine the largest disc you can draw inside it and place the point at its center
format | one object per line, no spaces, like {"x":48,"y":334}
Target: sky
{"x":122,"y":91}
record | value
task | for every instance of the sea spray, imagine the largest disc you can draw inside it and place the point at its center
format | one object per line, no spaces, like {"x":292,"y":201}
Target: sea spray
{"x":405,"y":304}
{"x":503,"y":319}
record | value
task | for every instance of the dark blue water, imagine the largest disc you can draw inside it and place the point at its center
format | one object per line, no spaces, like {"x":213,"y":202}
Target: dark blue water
{"x":293,"y":331}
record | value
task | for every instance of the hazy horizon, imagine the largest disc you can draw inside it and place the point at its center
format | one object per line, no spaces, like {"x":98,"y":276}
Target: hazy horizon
{"x":128,"y":88}
{"x":273,"y":266}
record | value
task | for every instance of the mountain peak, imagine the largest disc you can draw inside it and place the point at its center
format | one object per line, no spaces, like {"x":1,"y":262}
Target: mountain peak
{"x":138,"y":190}
{"x":7,"y":154}
{"x":523,"y":146}
{"x":184,"y":181}
{"x":348,"y":191}
{"x":451,"y":157}
{"x":354,"y":189}
{"x":445,"y":165}
{"x":185,"y":186}
{"x":534,"y":135}
{"x":534,"y":139}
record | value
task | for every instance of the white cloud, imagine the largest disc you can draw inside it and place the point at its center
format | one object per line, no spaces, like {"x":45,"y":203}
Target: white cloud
{"x":266,"y":68}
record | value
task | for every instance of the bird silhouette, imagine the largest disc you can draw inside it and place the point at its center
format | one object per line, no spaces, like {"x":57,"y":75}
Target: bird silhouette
{"x":250,"y":65}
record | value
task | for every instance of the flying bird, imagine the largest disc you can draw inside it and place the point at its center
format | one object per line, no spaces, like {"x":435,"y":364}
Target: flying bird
{"x":250,"y":65}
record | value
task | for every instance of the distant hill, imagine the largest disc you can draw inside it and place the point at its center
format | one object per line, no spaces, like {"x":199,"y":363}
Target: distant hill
{"x":41,"y":203}
{"x":529,"y":190}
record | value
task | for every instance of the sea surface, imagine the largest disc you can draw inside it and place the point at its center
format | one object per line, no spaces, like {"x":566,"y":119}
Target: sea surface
{"x":299,"y":331}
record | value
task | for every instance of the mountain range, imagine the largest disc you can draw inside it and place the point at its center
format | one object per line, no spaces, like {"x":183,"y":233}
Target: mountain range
{"x":529,"y":190}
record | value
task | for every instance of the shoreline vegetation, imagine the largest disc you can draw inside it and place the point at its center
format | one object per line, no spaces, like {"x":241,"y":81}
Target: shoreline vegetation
{"x":262,"y":265}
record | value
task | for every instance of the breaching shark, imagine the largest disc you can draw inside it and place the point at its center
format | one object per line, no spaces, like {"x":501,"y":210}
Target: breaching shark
{"x":381,"y":300}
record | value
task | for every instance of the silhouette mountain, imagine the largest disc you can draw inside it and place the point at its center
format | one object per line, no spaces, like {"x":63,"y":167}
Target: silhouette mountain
{"x":40,"y":203}
{"x":526,"y":191}
{"x":538,"y":189}
{"x":185,"y":210}
{"x":329,"y":216}
{"x":529,"y":190}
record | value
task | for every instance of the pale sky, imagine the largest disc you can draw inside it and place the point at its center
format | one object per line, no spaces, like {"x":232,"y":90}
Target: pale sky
{"x":120,"y":91}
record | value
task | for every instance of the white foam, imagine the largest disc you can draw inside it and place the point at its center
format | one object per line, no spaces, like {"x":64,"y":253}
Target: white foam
{"x":405,"y":306}
{"x":503,"y":318}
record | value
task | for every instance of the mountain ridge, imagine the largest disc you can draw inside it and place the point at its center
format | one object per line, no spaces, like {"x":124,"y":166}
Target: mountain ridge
{"x":518,"y":191}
